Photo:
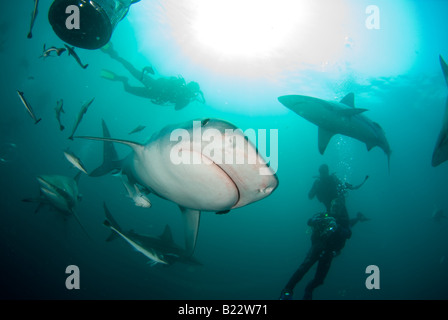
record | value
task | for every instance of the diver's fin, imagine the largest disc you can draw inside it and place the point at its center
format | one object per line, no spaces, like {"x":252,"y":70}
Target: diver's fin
{"x":349,"y":100}
{"x":110,"y":222}
{"x":324,"y":137}
{"x":444,"y":68}
{"x":134,"y":1}
{"x":180,"y":105}
{"x":109,"y":75}
{"x":191,"y":218}
{"x":167,"y":235}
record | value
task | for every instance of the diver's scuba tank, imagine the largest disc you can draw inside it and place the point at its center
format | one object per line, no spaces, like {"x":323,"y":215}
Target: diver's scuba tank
{"x":87,"y":24}
{"x":323,"y":225}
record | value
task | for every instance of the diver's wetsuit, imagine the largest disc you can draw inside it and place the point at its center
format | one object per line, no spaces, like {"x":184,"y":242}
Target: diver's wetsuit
{"x":159,"y":90}
{"x":323,"y":248}
{"x":326,"y":188}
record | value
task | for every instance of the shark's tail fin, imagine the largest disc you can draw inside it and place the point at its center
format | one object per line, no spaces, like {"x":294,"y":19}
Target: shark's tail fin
{"x":110,"y":222}
{"x":444,"y":68}
{"x":110,"y":156}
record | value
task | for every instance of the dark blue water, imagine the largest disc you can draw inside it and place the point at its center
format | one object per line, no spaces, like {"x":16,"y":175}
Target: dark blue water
{"x":325,"y":51}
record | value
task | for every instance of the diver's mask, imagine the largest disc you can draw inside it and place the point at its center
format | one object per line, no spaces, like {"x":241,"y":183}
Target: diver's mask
{"x":87,"y":24}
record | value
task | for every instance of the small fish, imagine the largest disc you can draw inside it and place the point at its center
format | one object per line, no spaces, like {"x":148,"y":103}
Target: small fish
{"x":75,"y":161}
{"x":28,"y":107}
{"x":33,"y":18}
{"x":71,"y":52}
{"x":138,"y":129}
{"x":136,"y":195}
{"x":47,"y":52}
{"x":59,"y":109}
{"x":80,"y":115}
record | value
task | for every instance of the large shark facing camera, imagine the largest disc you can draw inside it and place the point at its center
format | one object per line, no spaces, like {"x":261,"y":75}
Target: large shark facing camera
{"x":181,"y":164}
{"x":338,"y":118}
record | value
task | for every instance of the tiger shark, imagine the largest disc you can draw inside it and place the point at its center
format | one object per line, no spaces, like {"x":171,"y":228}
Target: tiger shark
{"x":160,"y":249}
{"x":338,"y":118}
{"x":205,"y":185}
{"x":60,"y":193}
{"x":440,"y":153}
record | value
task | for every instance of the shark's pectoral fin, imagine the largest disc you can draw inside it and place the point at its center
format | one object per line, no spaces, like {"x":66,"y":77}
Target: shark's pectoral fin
{"x":40,"y":202}
{"x":77,"y":176}
{"x":369,"y":146}
{"x":39,"y":206}
{"x":350,"y":112}
{"x":167,"y":236}
{"x":191,"y":218}
{"x":324,"y":137}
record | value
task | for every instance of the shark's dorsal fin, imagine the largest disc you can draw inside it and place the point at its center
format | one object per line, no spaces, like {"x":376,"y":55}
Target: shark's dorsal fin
{"x":349,"y":100}
{"x":110,"y":156}
{"x":444,"y":68}
{"x":167,"y":235}
{"x":108,"y":148}
{"x":324,"y":137}
{"x":191,"y":218}
{"x":111,"y":221}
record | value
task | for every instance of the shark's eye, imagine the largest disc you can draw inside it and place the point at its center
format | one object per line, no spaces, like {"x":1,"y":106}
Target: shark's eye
{"x":204,"y":122}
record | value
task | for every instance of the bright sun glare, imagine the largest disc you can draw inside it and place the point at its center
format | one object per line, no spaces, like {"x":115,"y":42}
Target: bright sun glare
{"x":270,"y":38}
{"x":245,"y":28}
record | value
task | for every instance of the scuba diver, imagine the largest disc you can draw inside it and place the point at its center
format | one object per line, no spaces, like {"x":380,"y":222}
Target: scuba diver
{"x":329,"y":232}
{"x":161,"y":91}
{"x":328,"y":187}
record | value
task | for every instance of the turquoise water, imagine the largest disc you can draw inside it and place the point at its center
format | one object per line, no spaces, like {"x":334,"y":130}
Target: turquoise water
{"x":321,"y":49}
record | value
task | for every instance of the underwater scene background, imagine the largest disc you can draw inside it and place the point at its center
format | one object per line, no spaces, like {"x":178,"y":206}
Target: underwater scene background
{"x":244,"y":55}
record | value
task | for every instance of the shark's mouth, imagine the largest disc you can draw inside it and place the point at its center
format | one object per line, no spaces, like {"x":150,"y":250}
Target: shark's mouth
{"x":210,"y":162}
